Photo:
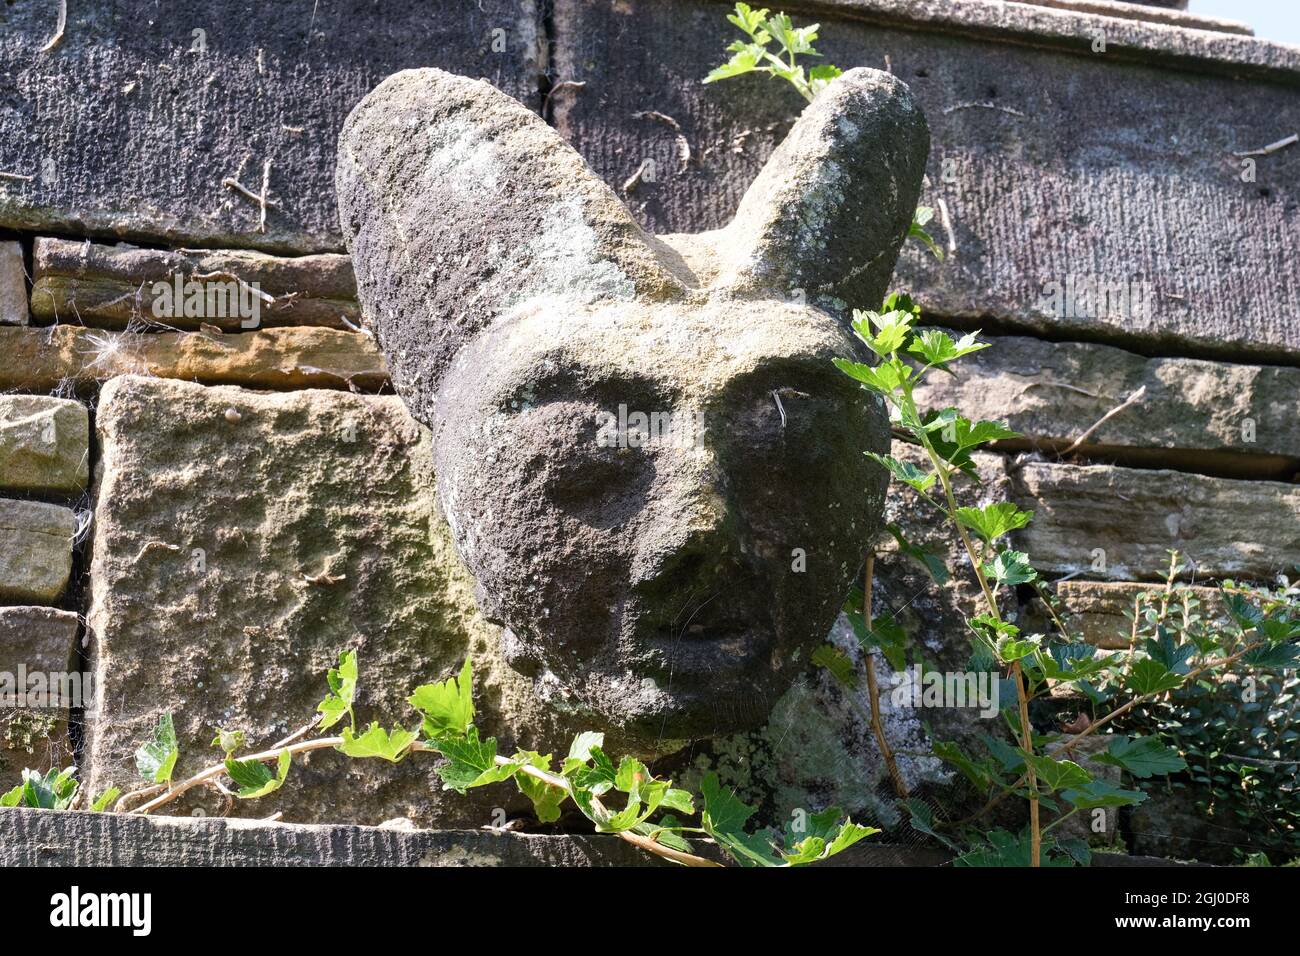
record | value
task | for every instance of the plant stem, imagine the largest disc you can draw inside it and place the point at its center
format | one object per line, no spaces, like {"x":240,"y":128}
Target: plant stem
{"x":873,"y":689}
{"x":210,"y":774}
{"x":1027,"y":742}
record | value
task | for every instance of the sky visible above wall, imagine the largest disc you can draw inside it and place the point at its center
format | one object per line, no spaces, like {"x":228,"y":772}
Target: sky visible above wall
{"x":1272,"y":19}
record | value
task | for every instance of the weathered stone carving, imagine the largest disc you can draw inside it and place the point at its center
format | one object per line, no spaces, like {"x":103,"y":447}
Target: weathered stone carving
{"x":645,"y":455}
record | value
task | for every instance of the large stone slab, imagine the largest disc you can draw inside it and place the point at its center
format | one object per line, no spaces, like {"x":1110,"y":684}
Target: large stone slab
{"x":242,"y":540}
{"x":44,"y":443}
{"x":125,"y":286}
{"x":73,"y":359}
{"x":1119,"y":523}
{"x":35,"y":550}
{"x":1056,"y":165}
{"x":1194,"y":415}
{"x":38,"y":683}
{"x":78,"y":838}
{"x":13,"y":285}
{"x":170,"y":100}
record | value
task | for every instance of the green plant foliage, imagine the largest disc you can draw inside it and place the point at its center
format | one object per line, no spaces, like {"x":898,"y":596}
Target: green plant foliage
{"x":255,"y":779}
{"x":342,"y":681}
{"x":55,"y":790}
{"x":156,"y":760}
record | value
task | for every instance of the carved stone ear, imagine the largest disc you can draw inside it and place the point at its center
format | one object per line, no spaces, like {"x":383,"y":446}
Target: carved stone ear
{"x":830,"y":210}
{"x":459,"y":205}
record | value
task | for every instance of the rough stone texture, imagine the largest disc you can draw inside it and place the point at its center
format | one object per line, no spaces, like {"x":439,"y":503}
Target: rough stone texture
{"x":1052,"y":161}
{"x":116,"y":286}
{"x":35,"y":550}
{"x":1097,"y":608}
{"x":826,"y":216}
{"x":1172,"y":12}
{"x":818,"y":748}
{"x":208,"y":526}
{"x":72,"y":359}
{"x":1170,"y":824}
{"x":1242,"y":529}
{"x":13,"y":285}
{"x":44,"y":838}
{"x":77,"y":838}
{"x":36,"y":640}
{"x":520,"y":307}
{"x":163,"y":114}
{"x":44,"y":444}
{"x":1208,"y":417}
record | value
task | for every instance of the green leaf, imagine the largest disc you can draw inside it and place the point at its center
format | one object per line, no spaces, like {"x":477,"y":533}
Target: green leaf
{"x":1142,"y":756}
{"x":837,"y":662}
{"x":1276,"y":656}
{"x":931,"y":560}
{"x":744,"y":60}
{"x":1165,"y":649}
{"x":993,"y":521}
{"x":916,"y":230}
{"x":724,"y":817}
{"x":981,"y":773}
{"x":471,"y":762}
{"x":105,"y":799}
{"x":822,"y":835}
{"x":820,"y":76}
{"x":343,"y":690}
{"x":255,"y":779}
{"x":156,"y":760}
{"x":923,"y":821}
{"x":375,"y":741}
{"x":884,"y":378}
{"x":448,"y":706}
{"x":885,"y":635}
{"x":1101,"y":793}
{"x":228,"y":740}
{"x":938,"y":347}
{"x":662,"y":832}
{"x":1149,"y":676}
{"x":1004,"y":849}
{"x":905,"y":471}
{"x":1055,"y":774}
{"x":546,"y":797}
{"x":53,"y":791}
{"x":581,"y":749}
{"x":1009,"y":568}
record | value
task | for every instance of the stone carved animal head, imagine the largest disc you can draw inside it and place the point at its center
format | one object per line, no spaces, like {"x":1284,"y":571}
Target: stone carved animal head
{"x":646,"y":457}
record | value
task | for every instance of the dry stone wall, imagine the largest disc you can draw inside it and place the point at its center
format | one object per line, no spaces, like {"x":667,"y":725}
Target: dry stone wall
{"x":1120,"y":249}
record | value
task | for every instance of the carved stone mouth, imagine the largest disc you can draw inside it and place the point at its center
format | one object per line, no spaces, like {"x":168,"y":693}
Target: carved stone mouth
{"x":722,"y":648}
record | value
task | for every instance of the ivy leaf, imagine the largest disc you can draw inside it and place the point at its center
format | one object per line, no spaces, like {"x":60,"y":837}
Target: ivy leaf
{"x":375,"y":741}
{"x":53,"y":791}
{"x":1009,"y":568}
{"x":343,"y":690}
{"x":1149,"y":676}
{"x":1142,"y":756}
{"x":823,"y":835}
{"x":1102,"y":793}
{"x":448,"y":706}
{"x":106,"y":798}
{"x":581,"y":749}
{"x":932,"y":561}
{"x":471,"y":762}
{"x":724,"y":817}
{"x":993,"y":521}
{"x":255,"y":778}
{"x":1056,"y":774}
{"x":156,"y":760}
{"x":546,"y":797}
